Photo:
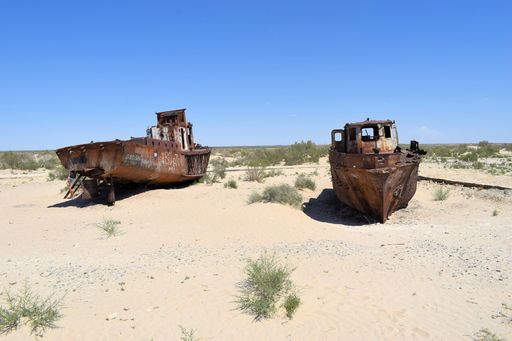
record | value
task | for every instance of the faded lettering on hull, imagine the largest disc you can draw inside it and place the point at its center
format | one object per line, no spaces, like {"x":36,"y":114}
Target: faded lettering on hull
{"x":139,"y":161}
{"x":78,"y":160}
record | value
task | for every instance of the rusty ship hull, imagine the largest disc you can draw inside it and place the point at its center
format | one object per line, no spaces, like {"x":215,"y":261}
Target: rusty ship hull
{"x":369,"y":170}
{"x":376,"y":185}
{"x":135,"y":161}
{"x":167,"y":154}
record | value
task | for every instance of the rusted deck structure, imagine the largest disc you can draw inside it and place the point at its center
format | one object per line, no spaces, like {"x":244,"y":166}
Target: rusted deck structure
{"x":369,"y":170}
{"x":166,"y":155}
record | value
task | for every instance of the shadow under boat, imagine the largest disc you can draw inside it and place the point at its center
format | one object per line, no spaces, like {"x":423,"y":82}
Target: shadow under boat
{"x":327,"y":208}
{"x":123,"y":191}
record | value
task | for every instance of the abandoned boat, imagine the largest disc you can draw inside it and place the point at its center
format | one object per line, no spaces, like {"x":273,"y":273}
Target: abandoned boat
{"x":166,"y":155}
{"x":369,"y":170}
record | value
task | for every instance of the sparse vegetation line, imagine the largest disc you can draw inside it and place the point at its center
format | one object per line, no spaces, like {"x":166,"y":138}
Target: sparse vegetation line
{"x":277,"y":168}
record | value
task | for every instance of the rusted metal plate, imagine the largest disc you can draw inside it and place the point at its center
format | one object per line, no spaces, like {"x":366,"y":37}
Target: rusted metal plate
{"x":369,"y":171}
{"x":168,"y":154}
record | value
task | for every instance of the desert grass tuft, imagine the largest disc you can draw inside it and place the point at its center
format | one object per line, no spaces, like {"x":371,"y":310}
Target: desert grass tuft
{"x":254,"y":197}
{"x":188,"y":334}
{"x":486,"y":335}
{"x":208,"y":178}
{"x":273,"y":172}
{"x":231,"y":184}
{"x":282,"y":194}
{"x":110,"y":227}
{"x":219,"y":168}
{"x":59,"y":173}
{"x":291,"y":303}
{"x":217,"y":172}
{"x":441,"y":194}
{"x":305,"y":182}
{"x":267,"y":282}
{"x":255,"y":174}
{"x":505,"y":314}
{"x":27,"y":308}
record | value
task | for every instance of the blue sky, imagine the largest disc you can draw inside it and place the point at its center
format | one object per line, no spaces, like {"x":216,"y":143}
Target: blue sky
{"x":254,"y":72}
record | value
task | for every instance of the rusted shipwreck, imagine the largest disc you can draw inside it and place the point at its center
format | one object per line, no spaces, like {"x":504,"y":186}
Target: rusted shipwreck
{"x":166,"y":155}
{"x":370,"y":172}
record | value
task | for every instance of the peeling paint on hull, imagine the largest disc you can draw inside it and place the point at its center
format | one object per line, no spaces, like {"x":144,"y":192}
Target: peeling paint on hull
{"x":127,"y":161}
{"x":377,"y":192}
{"x":167,"y":155}
{"x":369,"y":170}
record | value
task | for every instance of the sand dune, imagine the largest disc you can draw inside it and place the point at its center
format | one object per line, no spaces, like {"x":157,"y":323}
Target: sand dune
{"x":434,"y":271}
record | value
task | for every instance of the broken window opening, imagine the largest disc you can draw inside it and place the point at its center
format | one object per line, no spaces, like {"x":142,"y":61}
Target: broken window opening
{"x":352,"y":134}
{"x":387,"y":131}
{"x":182,"y":138}
{"x":369,"y":133}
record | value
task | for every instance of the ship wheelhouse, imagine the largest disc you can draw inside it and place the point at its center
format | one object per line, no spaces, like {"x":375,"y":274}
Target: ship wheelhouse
{"x":367,"y":137}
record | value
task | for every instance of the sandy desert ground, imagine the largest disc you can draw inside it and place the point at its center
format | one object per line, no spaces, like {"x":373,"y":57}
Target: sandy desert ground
{"x":437,"y":270}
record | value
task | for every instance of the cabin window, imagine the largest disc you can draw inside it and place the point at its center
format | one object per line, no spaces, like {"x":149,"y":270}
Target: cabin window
{"x":182,"y":138}
{"x":352,"y":134}
{"x":338,"y":137}
{"x":387,"y":131}
{"x":369,"y":133}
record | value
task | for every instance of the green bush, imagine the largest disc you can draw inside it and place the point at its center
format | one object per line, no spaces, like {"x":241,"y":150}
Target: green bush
{"x":49,"y":160}
{"x":263,"y":157}
{"x":219,"y":168}
{"x":109,"y":227}
{"x":59,"y":173}
{"x":282,"y":194}
{"x":28,"y":308}
{"x":291,"y":303}
{"x":304,"y":182}
{"x":441,"y":194}
{"x":273,"y":172}
{"x":266,"y":282}
{"x":302,"y":152}
{"x":478,"y":165}
{"x":18,"y":160}
{"x":486,"y":149}
{"x":486,"y":335}
{"x":254,"y":197}
{"x":208,"y":178}
{"x":471,"y":156}
{"x":188,"y":334}
{"x":231,"y":184}
{"x":438,"y":150}
{"x":255,"y":174}
{"x":298,"y":153}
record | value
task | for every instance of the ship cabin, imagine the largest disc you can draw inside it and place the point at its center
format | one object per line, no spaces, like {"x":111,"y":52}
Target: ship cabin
{"x":367,"y":137}
{"x":172,"y":126}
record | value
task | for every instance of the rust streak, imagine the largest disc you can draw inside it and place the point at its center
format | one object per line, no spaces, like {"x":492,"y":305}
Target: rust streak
{"x":369,"y":170}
